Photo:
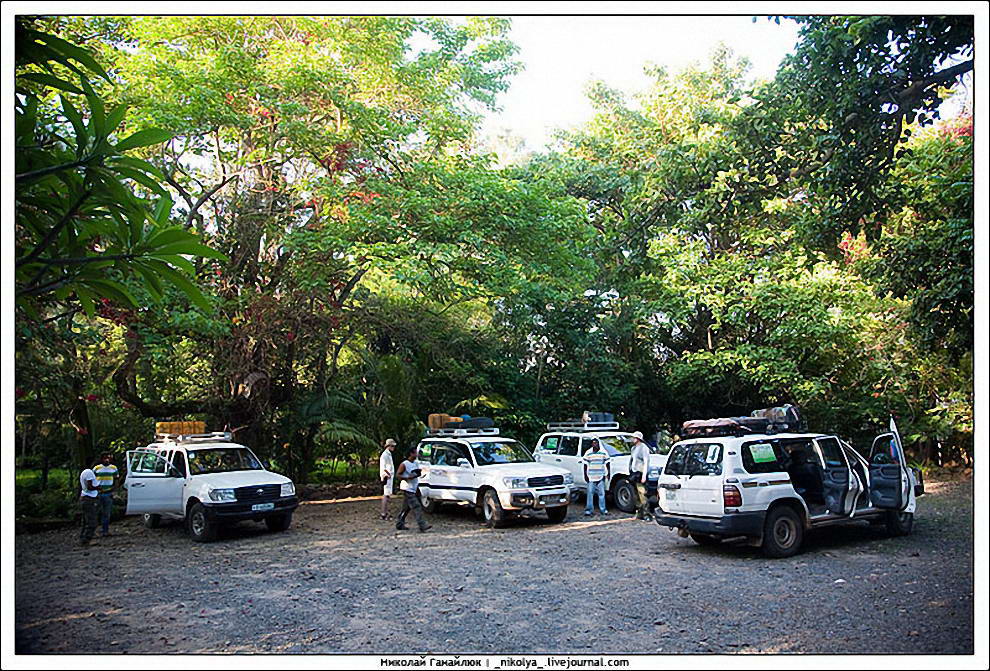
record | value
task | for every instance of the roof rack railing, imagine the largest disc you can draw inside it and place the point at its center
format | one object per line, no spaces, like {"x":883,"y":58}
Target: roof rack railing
{"x":490,"y":431}
{"x":194,"y":437}
{"x":582,"y":426}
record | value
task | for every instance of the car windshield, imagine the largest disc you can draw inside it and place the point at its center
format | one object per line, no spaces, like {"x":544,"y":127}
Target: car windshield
{"x":500,"y":452}
{"x":222,"y":460}
{"x":618,"y":445}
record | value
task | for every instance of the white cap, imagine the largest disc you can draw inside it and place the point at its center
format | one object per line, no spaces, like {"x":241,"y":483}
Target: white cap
{"x":389,"y":442}
{"x":638,"y":435}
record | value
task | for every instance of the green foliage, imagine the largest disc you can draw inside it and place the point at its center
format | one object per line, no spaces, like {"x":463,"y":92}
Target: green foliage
{"x":83,"y":232}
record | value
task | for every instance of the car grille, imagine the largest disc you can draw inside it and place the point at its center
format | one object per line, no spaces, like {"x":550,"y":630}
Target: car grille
{"x":258,"y":493}
{"x":546,"y":481}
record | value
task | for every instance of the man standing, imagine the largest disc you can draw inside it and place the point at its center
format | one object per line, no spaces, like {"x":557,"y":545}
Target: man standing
{"x":408,"y":475}
{"x":106,"y":480}
{"x":89,"y":504}
{"x":596,"y":471}
{"x":639,"y":466}
{"x":386,"y":473}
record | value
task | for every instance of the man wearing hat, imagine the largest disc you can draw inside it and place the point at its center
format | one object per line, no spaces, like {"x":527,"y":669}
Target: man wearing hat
{"x":639,"y":466}
{"x":386,"y":473}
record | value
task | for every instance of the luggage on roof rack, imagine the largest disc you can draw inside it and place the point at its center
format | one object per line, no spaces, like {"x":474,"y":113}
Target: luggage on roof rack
{"x":489,"y":431}
{"x":215,"y":436}
{"x":725,"y":426}
{"x":782,"y":417}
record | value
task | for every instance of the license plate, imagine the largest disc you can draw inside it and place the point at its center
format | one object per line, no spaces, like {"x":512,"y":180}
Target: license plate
{"x":671,"y":495}
{"x":262,"y":506}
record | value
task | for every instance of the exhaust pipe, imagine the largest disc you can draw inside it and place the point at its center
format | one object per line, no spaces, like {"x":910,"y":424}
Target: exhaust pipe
{"x":682,"y":532}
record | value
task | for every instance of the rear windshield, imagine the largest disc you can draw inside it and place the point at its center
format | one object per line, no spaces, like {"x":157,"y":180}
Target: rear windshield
{"x":695,"y":459}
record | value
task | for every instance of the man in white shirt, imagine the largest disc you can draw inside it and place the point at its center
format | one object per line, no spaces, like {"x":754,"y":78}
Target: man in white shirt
{"x":639,"y":466}
{"x":386,"y":473}
{"x":596,"y":471}
{"x":89,"y":503}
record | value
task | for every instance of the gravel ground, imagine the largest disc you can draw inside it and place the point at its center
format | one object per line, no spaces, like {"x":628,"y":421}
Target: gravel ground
{"x":340,"y":580}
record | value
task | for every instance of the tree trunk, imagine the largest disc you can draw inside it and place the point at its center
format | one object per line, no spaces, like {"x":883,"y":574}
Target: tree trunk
{"x":79,"y":417}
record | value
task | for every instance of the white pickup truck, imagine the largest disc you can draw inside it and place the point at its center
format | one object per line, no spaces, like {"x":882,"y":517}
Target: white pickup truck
{"x":205,"y":480}
{"x":493,"y":473}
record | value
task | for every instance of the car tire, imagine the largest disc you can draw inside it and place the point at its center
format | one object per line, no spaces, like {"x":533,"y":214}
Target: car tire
{"x":706,"y":539}
{"x":491,"y":510}
{"x":151,"y":520}
{"x":783,"y":533}
{"x":624,"y":495}
{"x":430,"y":506}
{"x":898,"y":524}
{"x":278,"y":522}
{"x":557,"y":514}
{"x":200,"y":527}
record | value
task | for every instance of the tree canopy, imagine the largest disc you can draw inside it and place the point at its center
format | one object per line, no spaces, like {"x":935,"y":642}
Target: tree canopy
{"x":289,"y":226}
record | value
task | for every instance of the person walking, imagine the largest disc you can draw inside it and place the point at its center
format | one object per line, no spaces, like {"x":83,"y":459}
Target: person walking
{"x":89,"y":504}
{"x":639,"y":466}
{"x":106,"y":479}
{"x":596,"y":471}
{"x":408,"y":475}
{"x":386,"y":473}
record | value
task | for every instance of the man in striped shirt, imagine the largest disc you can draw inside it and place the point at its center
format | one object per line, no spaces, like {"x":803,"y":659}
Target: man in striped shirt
{"x":106,"y":481}
{"x":596,"y":470}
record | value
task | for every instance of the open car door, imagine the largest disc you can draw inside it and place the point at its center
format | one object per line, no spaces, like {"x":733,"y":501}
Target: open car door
{"x":153,"y":484}
{"x":890,"y":479}
{"x":839,"y":486}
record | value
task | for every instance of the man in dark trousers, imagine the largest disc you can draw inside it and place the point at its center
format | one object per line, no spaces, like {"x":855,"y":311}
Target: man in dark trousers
{"x":89,"y":490}
{"x":408,"y":474}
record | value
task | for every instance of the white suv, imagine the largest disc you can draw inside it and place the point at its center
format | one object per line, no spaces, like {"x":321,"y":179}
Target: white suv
{"x":495,"y":474}
{"x":566,"y":442}
{"x":771,"y":488}
{"x":205,"y":480}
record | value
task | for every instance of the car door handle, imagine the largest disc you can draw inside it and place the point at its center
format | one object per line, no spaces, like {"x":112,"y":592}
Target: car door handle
{"x":670,"y":485}
{"x":137,"y":484}
{"x":556,"y":458}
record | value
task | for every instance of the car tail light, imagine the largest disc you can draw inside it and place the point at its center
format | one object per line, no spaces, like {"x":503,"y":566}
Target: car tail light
{"x":731,"y":497}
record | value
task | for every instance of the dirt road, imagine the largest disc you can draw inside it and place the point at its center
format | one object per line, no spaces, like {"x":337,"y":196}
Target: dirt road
{"x":340,"y":580}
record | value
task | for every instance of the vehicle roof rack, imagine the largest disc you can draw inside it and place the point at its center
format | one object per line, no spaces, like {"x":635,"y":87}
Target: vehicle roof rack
{"x":223,"y":436}
{"x":575,"y":425}
{"x":490,"y":431}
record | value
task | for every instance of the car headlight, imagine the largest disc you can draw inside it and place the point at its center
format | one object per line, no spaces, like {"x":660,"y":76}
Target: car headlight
{"x":288,"y":489}
{"x":515,"y":483}
{"x":568,"y":479}
{"x":222,"y":495}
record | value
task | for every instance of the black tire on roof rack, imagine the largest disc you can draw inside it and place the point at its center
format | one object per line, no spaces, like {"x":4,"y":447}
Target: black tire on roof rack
{"x":473,"y":423}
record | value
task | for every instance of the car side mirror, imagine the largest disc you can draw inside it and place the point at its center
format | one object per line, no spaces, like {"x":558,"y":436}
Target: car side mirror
{"x":463,"y":463}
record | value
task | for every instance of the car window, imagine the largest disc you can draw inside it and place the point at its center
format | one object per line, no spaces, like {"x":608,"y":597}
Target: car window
{"x":222,"y":460}
{"x":695,"y":459}
{"x":179,"y":461}
{"x":148,"y":463}
{"x":569,"y":446}
{"x":424,"y":452}
{"x":884,"y":451}
{"x":831,"y":452}
{"x":500,"y":452}
{"x":550,"y":443}
{"x":586,"y":444}
{"x":763,"y":456}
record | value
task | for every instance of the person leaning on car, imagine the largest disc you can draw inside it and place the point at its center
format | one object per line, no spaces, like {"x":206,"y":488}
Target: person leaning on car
{"x":639,"y":466}
{"x":89,"y":503}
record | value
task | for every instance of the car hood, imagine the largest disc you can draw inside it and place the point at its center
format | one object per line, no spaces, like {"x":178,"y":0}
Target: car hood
{"x":524,"y":470}
{"x":234,"y":479}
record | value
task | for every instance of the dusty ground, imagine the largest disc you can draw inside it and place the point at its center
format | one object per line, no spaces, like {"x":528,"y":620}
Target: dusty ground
{"x":340,"y":580}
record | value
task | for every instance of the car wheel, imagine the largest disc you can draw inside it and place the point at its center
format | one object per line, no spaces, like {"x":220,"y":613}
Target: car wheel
{"x":899,"y":524}
{"x":783,"y":533}
{"x":557,"y":514}
{"x":624,"y":495}
{"x":151,"y":520}
{"x":705,"y":539}
{"x":201,"y":528}
{"x":278,"y":522}
{"x":491,"y":509}
{"x":430,"y":505}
